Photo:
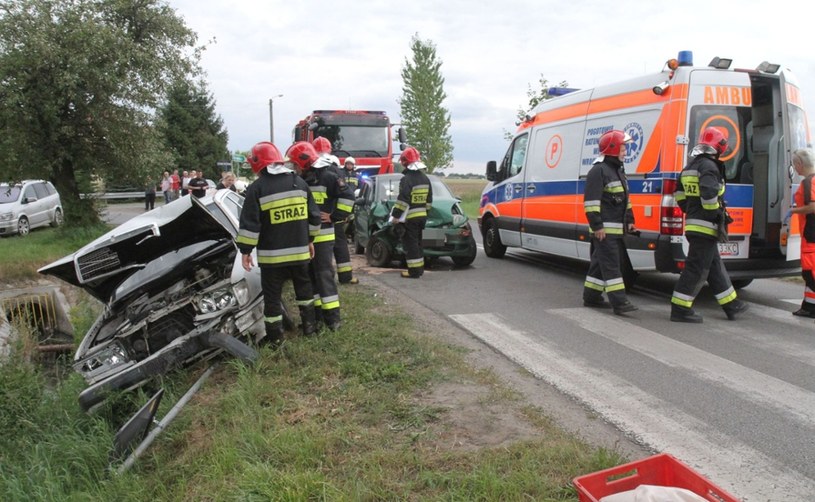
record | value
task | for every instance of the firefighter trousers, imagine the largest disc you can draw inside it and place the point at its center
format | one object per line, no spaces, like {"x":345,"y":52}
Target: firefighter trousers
{"x":702,"y":263}
{"x":326,"y":297}
{"x":344,"y":271}
{"x":412,"y":243}
{"x":272,"y":280}
{"x":604,"y":272}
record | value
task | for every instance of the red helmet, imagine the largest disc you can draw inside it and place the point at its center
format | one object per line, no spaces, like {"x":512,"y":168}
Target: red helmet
{"x":409,"y":156}
{"x":302,"y":154}
{"x":715,"y":137}
{"x":264,"y":154}
{"x":322,"y":145}
{"x":611,"y":142}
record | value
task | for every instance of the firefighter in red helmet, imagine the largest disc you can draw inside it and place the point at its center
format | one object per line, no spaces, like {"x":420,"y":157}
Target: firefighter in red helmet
{"x":608,"y":211}
{"x":410,"y":210}
{"x":335,"y":201}
{"x":701,"y":197}
{"x":280,"y":218}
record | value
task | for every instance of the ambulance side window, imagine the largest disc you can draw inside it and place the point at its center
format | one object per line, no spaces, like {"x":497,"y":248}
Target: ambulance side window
{"x":513,"y":162}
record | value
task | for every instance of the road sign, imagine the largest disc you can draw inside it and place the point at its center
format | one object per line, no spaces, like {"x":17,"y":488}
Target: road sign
{"x":224,"y":164}
{"x":238,"y":158}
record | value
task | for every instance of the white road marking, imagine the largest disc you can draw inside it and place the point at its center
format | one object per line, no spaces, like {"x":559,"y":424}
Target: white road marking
{"x":751,"y":474}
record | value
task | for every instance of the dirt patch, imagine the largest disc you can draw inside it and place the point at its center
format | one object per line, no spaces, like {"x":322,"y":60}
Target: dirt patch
{"x":470,"y":419}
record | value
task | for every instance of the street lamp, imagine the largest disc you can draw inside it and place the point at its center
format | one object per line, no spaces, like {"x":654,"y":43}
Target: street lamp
{"x":271,"y":117}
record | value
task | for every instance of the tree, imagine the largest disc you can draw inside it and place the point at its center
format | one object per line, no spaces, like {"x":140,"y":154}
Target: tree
{"x":535,"y":98}
{"x":426,"y":120}
{"x":192,"y":131}
{"x":79,"y":81}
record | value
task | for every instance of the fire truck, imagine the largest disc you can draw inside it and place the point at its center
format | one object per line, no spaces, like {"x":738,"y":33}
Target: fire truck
{"x":535,"y":196}
{"x":362,"y":134}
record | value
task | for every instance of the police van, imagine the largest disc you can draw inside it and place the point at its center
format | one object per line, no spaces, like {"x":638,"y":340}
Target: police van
{"x":534,"y":199}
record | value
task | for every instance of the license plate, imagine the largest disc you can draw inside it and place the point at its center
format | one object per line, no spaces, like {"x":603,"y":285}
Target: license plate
{"x":729,"y":248}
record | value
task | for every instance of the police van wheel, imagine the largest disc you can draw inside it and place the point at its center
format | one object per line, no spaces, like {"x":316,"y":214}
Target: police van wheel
{"x":492,"y":240}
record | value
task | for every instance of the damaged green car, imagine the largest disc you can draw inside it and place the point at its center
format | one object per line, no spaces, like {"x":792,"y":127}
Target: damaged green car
{"x":447,"y":232}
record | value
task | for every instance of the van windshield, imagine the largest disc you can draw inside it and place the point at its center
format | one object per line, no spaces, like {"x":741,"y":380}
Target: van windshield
{"x":9,"y":194}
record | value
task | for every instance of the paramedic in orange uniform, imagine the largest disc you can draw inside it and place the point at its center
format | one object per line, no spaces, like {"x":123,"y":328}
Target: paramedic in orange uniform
{"x":804,"y":163}
{"x":701,"y":198}
{"x":608,"y":211}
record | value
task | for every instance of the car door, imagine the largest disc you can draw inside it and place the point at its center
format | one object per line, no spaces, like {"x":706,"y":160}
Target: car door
{"x":362,"y":212}
{"x":30,"y":207}
{"x":44,"y":204}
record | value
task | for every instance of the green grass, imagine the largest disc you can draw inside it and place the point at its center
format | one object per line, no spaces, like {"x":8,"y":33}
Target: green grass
{"x":469,"y":191}
{"x":332,"y":417}
{"x":20,"y":257}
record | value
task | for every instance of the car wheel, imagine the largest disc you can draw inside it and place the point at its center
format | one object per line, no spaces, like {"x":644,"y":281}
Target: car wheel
{"x":492,"y":240}
{"x":23,"y":227}
{"x":463,"y":261}
{"x":58,"y":218}
{"x":378,"y":252}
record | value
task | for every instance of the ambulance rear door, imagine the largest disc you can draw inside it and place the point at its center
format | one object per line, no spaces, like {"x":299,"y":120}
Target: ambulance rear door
{"x":796,"y":135}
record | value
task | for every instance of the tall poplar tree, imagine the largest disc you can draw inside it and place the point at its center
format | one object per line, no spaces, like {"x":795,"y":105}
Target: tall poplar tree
{"x":427,"y":121}
{"x":192,"y":131}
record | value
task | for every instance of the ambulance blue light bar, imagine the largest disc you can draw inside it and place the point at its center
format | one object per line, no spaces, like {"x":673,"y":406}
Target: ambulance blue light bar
{"x":685,"y":58}
{"x":560,"y":91}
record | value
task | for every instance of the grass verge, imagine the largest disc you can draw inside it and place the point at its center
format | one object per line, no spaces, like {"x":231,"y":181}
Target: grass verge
{"x":342,"y":416}
{"x":20,"y":257}
{"x":469,"y":191}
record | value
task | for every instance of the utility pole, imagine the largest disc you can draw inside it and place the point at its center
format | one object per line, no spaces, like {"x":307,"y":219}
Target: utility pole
{"x":271,"y":117}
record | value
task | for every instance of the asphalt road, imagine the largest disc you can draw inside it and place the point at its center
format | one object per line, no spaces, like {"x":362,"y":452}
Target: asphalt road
{"x":734,"y":400}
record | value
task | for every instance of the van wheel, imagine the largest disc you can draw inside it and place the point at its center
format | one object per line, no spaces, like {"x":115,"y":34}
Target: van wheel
{"x":492,"y":240}
{"x":378,"y":253}
{"x":58,"y":218}
{"x":741,"y":283}
{"x":23,"y":227}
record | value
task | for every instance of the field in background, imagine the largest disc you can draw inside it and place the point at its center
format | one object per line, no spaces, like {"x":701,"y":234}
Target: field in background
{"x":469,"y":191}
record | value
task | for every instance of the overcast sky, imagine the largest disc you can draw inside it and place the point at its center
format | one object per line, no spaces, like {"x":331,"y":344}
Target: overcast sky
{"x":345,"y":54}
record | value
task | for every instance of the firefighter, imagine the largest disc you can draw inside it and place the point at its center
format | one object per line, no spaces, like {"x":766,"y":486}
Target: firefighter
{"x":701,"y":199}
{"x":409,"y":213}
{"x":280,"y":218}
{"x":608,"y":211}
{"x":345,"y":272}
{"x":335,"y":202}
{"x":804,"y":163}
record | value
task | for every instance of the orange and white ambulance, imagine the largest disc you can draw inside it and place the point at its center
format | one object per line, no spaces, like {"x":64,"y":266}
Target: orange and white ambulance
{"x":535,"y":196}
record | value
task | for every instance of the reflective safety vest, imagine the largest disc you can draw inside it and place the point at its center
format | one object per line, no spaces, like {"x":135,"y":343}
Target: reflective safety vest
{"x":415,"y":195}
{"x":700,"y":195}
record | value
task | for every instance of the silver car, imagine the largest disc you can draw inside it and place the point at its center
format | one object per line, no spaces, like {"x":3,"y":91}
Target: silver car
{"x":174,"y":292}
{"x":27,"y":205}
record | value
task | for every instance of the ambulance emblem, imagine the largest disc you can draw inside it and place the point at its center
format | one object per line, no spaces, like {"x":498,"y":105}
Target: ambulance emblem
{"x":634,"y":149}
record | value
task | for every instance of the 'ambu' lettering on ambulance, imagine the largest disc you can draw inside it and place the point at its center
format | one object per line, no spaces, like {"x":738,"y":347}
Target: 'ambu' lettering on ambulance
{"x":724,"y":95}
{"x":288,"y":213}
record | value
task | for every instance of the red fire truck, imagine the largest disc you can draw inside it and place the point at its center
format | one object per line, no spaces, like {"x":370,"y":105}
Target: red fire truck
{"x":362,"y":134}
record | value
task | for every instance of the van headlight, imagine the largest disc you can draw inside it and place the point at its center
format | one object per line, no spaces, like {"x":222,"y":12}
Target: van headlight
{"x":6,"y":216}
{"x":215,"y":301}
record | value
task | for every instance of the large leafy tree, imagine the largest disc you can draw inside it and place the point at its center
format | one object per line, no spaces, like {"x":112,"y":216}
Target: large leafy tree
{"x":426,"y":119}
{"x":192,"y":131}
{"x":79,"y":81}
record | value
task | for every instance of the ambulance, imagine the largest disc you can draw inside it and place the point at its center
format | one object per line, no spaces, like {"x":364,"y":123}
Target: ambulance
{"x":534,"y":198}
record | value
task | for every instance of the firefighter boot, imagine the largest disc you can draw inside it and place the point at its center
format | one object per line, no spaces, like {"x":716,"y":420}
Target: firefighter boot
{"x":624,"y":308}
{"x":734,"y":308}
{"x":332,"y":319}
{"x":274,"y":334}
{"x":309,"y":320}
{"x":682,"y":314}
{"x":596,"y":302}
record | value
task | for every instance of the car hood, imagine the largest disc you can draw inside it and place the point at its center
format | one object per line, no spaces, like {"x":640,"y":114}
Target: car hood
{"x":440,"y":213}
{"x":101,"y":266}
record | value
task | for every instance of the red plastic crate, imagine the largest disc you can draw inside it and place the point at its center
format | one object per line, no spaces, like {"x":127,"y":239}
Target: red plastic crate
{"x":658,"y":470}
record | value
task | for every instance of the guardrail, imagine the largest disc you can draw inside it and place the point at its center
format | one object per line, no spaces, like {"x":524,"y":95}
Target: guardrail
{"x":119,"y":195}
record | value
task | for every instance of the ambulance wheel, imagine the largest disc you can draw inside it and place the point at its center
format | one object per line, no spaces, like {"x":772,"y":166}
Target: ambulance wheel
{"x":492,"y":240}
{"x":741,"y":283}
{"x":378,"y":252}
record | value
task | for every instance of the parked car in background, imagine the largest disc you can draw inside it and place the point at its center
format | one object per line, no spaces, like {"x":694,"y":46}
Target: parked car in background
{"x":174,"y":292}
{"x":28,"y":205}
{"x":447,"y":232}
